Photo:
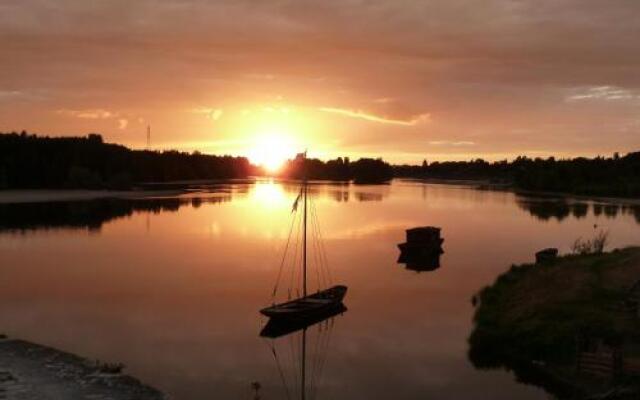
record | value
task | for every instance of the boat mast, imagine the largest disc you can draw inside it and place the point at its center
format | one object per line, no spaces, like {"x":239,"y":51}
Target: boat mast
{"x":304,"y":363}
{"x":304,"y":248}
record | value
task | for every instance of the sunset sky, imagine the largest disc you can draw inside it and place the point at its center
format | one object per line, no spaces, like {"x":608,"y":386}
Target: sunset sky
{"x":403,"y":80}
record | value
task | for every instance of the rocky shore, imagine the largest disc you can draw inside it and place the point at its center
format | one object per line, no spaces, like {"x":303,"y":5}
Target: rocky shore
{"x":30,"y":371}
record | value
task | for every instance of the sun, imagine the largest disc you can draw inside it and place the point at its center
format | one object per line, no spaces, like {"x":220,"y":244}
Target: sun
{"x":271,"y":150}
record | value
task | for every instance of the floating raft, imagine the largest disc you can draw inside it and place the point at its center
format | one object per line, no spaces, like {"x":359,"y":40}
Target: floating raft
{"x":422,"y":250}
{"x":422,"y":242}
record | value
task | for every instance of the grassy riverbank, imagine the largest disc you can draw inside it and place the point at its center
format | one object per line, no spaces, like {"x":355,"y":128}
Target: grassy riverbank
{"x":539,"y":314}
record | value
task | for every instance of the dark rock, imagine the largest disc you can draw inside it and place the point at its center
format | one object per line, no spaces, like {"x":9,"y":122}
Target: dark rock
{"x":546,"y":255}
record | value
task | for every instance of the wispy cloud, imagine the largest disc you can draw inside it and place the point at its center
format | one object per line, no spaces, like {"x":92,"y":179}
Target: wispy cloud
{"x":10,"y":94}
{"x":123,"y":123}
{"x":384,"y":100}
{"x":608,"y":93}
{"x":452,"y":143}
{"x":87,"y":114}
{"x":376,"y":118}
{"x":212,"y":113}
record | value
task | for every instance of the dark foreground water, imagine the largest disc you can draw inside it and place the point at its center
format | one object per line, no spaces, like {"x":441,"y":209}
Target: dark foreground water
{"x":172,"y":286}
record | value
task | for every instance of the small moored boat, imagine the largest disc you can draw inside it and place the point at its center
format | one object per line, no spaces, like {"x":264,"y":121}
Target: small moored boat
{"x":319,"y":302}
{"x":324,"y":299}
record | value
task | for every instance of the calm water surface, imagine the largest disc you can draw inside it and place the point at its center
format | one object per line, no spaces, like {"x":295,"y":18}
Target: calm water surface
{"x":171,"y":287}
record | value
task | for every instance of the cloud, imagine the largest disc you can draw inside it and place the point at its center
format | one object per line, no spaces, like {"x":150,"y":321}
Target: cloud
{"x":10,"y":94}
{"x":384,"y":100}
{"x":212,"y":113}
{"x":607,"y":93}
{"x":87,"y":114}
{"x":452,"y":143}
{"x":375,"y":118}
{"x":122,"y":123}
{"x":488,"y":67}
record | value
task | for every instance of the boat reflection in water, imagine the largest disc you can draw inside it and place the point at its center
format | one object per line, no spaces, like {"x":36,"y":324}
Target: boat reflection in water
{"x":276,"y":328}
{"x":420,"y":263}
{"x":289,"y":338}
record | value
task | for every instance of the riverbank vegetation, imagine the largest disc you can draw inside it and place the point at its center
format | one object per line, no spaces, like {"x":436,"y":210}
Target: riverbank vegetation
{"x":29,"y":161}
{"x":539,"y":317}
{"x":38,"y":162}
{"x":617,"y":176}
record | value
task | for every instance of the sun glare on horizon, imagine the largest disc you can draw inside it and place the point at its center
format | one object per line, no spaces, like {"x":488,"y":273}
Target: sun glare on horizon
{"x":272,"y":150}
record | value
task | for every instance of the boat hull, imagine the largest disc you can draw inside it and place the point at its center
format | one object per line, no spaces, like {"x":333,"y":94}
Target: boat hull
{"x":306,"y":307}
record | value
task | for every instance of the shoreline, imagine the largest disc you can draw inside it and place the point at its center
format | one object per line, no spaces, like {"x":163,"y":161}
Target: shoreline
{"x":169,"y":189}
{"x":30,"y":371}
{"x":567,"y":325}
{"x":55,"y":195}
{"x":480,"y":184}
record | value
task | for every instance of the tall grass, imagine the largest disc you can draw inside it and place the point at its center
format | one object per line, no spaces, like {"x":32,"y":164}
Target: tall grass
{"x":595,"y":245}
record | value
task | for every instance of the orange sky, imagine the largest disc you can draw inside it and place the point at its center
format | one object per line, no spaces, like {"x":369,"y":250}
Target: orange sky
{"x":405,"y":80}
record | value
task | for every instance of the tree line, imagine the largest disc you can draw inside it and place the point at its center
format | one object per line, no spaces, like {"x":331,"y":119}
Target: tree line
{"x":28,"y":161}
{"x":599,"y":176}
{"x":364,"y":170}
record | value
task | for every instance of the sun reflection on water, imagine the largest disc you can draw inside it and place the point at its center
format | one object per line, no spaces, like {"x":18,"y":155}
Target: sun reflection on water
{"x":268,"y":194}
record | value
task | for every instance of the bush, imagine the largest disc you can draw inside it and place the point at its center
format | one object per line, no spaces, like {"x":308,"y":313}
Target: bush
{"x":596,"y":245}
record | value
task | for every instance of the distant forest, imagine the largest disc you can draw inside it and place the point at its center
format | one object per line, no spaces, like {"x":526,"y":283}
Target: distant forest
{"x":600,"y":176}
{"x":30,"y":161}
{"x":364,"y":170}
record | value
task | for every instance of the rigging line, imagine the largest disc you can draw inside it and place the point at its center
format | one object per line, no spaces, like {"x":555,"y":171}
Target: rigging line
{"x":317,"y":359}
{"x":295,"y":257}
{"x":328,"y":342}
{"x":315,"y":378}
{"x":298,"y":358}
{"x":284,"y":255}
{"x":322,"y":252}
{"x":297,"y":262}
{"x":314,"y":215}
{"x":294,"y":371}
{"x":316,"y":257}
{"x":314,"y":362}
{"x":322,"y":352}
{"x":325,"y":350}
{"x":280,"y":371}
{"x":314,"y":244}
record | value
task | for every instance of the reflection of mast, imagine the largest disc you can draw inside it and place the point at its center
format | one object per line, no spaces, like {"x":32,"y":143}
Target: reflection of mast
{"x":279,"y":329}
{"x":304,"y":248}
{"x":304,"y":363}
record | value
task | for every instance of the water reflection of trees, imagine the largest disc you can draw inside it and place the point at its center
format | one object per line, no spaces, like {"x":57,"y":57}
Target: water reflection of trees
{"x":89,"y":215}
{"x":558,"y":208}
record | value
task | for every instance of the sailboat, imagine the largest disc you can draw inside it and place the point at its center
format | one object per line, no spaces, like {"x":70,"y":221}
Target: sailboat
{"x":323,"y":300}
